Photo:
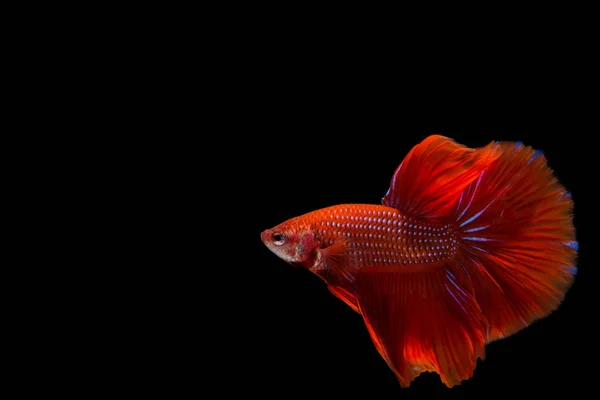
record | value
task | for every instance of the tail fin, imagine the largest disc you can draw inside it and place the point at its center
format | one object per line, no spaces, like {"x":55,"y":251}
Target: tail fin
{"x":517,"y":239}
{"x":514,"y":255}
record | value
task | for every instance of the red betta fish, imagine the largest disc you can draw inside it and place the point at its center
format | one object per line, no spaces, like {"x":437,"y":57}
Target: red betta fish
{"x":469,"y":246}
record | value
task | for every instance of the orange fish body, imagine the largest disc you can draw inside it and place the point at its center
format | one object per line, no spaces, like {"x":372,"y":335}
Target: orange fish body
{"x":469,"y":246}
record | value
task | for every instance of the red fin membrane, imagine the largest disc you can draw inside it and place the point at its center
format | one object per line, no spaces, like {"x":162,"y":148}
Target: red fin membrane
{"x":423,"y":321}
{"x":514,"y":219}
{"x":517,"y":239}
{"x":345,"y":295}
{"x":433,"y":175}
{"x":339,"y":273}
{"x":337,"y":260}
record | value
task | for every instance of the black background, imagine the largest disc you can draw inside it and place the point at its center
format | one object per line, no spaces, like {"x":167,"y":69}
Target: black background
{"x":274,"y":128}
{"x":211,"y":133}
{"x":308,"y":142}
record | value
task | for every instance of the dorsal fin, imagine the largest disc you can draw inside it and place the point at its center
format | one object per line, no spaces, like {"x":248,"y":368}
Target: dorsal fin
{"x":434,"y":174}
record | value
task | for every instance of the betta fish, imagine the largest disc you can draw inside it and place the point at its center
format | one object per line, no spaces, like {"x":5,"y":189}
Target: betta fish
{"x":468,"y":246}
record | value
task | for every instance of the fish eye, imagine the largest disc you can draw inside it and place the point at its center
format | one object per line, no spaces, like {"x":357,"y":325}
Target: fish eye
{"x":278,"y":238}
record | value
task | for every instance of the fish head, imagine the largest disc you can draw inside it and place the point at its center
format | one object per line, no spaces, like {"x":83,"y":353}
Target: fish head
{"x":292,"y":241}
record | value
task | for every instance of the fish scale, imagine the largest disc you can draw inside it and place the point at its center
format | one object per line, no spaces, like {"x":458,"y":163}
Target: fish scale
{"x":382,"y":236}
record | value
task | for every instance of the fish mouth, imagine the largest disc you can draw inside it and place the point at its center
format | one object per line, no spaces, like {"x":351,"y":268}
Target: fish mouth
{"x":265,"y":236}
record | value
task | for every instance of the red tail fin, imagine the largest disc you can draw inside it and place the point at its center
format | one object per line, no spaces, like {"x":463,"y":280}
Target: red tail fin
{"x":513,"y":263}
{"x":517,"y":239}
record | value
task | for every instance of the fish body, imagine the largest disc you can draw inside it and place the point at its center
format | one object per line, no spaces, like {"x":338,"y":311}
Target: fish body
{"x":467,"y":247}
{"x":377,"y":235}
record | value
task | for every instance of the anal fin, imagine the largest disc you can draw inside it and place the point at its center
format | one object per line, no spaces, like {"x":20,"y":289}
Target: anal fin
{"x":345,"y":294}
{"x":423,"y":321}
